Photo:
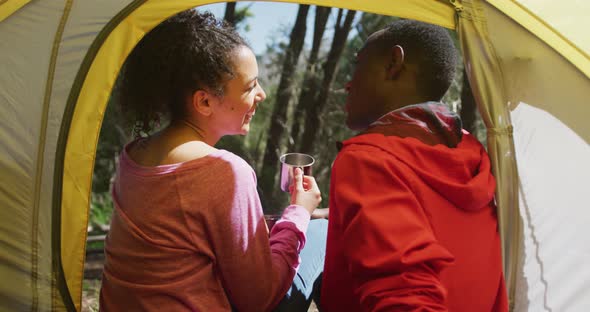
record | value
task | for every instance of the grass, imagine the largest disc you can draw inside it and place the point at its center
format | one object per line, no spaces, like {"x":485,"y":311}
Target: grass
{"x":90,"y":293}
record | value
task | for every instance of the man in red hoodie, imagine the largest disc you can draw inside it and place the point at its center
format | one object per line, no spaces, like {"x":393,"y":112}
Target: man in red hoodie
{"x":413,"y":225}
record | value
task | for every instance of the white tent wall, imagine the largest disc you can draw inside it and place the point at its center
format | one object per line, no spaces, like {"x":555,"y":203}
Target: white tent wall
{"x":25,"y":50}
{"x":553,"y":172}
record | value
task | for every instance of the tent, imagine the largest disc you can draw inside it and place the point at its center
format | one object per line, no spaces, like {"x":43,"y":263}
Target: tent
{"x":60,"y":59}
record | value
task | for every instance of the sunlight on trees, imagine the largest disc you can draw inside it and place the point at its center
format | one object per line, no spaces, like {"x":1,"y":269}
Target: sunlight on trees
{"x":303,"y":110}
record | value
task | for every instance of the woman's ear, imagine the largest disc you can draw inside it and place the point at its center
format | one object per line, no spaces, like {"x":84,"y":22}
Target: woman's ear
{"x":396,"y":62}
{"x":201,"y":102}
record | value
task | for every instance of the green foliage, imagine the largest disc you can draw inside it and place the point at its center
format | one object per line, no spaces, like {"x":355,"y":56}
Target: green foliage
{"x":251,"y":147}
{"x":366,"y":25}
{"x":101,"y":209}
{"x":241,"y":16}
{"x":111,"y":139}
{"x":237,"y":145}
{"x":95,"y":245}
{"x":333,"y":128}
{"x":453,"y":96}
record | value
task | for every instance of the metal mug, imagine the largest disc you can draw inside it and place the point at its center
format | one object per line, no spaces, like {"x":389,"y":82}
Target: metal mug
{"x":291,"y":161}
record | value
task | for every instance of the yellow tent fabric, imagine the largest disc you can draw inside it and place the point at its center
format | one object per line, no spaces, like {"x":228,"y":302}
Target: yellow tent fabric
{"x":8,"y":7}
{"x":485,"y":75}
{"x":557,"y":23}
{"x":62,"y":58}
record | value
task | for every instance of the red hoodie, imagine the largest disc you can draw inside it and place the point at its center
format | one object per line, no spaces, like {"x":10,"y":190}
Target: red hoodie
{"x":412,"y":221}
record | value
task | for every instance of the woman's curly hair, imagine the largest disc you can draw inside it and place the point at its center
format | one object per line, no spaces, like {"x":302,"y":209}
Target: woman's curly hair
{"x":187,"y":52}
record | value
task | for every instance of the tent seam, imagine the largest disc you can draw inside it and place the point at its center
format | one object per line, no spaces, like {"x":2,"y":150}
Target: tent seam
{"x":41,"y":157}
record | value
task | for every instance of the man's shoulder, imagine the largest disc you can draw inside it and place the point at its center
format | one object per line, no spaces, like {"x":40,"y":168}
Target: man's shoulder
{"x":362,"y":152}
{"x":364,"y":142}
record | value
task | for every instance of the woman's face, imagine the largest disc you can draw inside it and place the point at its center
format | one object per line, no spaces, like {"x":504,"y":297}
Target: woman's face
{"x":236,"y":108}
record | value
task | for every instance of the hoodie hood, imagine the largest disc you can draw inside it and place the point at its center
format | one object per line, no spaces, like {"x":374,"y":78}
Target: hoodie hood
{"x":428,"y":138}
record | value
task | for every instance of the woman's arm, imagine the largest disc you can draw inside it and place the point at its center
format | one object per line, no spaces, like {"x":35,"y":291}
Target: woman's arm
{"x":255,"y":271}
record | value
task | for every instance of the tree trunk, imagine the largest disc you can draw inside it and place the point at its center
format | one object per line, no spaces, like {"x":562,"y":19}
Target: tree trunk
{"x":468,"y":107}
{"x":310,"y":85}
{"x":279,"y":115}
{"x":330,"y":66}
{"x":230,"y":13}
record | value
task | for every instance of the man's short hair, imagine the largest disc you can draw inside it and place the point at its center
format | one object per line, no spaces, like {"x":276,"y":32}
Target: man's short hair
{"x":431,"y":48}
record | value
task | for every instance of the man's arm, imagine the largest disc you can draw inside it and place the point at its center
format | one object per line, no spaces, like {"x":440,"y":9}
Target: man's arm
{"x":320,"y":213}
{"x":392,"y":253}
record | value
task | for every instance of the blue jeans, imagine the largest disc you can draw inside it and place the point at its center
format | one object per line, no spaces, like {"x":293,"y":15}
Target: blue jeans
{"x":307,"y":282}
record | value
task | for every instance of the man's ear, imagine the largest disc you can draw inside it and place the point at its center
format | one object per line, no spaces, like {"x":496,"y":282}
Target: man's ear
{"x":396,"y":62}
{"x":201,"y":102}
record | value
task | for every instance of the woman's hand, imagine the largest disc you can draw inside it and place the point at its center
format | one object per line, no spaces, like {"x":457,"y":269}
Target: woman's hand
{"x":305,"y":191}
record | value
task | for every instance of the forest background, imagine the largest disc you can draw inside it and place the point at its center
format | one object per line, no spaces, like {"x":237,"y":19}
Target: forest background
{"x":303,"y":70}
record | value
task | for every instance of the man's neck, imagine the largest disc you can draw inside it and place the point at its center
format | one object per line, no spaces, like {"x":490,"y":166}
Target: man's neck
{"x":403,"y":101}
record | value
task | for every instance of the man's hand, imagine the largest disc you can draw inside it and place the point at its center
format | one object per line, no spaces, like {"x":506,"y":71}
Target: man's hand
{"x":320,"y":213}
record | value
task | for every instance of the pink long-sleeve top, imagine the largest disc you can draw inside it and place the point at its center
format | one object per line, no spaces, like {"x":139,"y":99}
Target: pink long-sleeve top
{"x":192,"y":237}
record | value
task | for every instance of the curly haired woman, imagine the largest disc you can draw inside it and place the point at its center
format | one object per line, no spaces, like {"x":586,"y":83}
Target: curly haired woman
{"x":188,"y":231}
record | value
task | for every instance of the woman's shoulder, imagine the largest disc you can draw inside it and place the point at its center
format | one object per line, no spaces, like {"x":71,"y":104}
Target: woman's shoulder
{"x":184,"y":158}
{"x":214,"y":159}
{"x":236,"y":162}
{"x":221,"y":168}
{"x":187,"y":152}
{"x":196,"y":150}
